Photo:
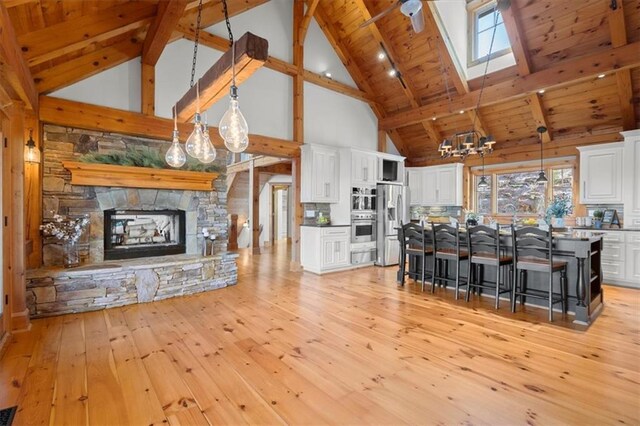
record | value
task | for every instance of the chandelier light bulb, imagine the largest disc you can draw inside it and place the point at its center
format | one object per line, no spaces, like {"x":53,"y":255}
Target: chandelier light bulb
{"x":233,"y":127}
{"x":195,"y":141}
{"x":208,"y":154}
{"x":175,"y":156}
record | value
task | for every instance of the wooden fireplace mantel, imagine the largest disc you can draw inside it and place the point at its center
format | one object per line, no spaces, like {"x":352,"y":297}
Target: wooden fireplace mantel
{"x":91,"y":174}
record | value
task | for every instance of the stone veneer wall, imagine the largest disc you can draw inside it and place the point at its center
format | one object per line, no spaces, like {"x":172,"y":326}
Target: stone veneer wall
{"x":54,"y":291}
{"x":203,"y":208}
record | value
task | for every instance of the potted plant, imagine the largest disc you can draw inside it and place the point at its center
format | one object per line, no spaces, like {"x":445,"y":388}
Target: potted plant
{"x":471,"y":218}
{"x":598,"y":215}
{"x":559,"y":207}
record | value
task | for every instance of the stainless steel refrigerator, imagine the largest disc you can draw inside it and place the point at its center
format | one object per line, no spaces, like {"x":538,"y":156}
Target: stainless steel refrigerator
{"x":392,"y":209}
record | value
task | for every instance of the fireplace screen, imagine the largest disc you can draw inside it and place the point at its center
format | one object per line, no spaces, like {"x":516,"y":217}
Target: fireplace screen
{"x":143,"y":233}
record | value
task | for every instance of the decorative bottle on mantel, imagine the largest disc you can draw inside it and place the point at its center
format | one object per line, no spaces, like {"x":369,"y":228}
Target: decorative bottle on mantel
{"x":70,"y":256}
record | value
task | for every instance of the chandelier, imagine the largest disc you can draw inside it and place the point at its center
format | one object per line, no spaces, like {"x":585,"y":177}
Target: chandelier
{"x":233,"y":127}
{"x":471,"y":142}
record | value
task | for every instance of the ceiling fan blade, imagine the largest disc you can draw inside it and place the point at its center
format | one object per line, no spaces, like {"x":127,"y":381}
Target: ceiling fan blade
{"x":417,"y":20}
{"x":381,"y":14}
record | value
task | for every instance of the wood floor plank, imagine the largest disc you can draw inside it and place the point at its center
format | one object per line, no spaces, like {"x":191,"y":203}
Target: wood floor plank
{"x":350,"y":347}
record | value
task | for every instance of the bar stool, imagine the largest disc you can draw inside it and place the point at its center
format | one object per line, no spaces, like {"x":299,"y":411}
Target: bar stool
{"x":414,"y":242}
{"x":483,"y":244}
{"x":446,"y":245}
{"x":533,"y":251}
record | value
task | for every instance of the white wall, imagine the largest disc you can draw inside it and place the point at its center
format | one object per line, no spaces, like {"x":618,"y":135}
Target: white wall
{"x":453,"y":16}
{"x":266,"y":99}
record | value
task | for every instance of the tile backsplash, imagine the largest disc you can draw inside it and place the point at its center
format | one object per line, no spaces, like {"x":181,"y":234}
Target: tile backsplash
{"x":311,"y":212}
{"x":418,"y":212}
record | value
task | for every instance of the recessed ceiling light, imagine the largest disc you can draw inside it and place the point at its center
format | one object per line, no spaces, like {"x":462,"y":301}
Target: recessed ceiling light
{"x":601,"y":76}
{"x":461,"y":111}
{"x":327,"y":74}
{"x":541,"y":91}
{"x":381,"y":56}
{"x":392,"y":72}
{"x":434,"y":119}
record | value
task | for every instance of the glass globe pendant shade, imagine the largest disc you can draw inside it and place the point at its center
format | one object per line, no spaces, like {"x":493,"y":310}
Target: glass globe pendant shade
{"x":175,"y":156}
{"x":233,"y":127}
{"x":208,"y":154}
{"x":195,"y":141}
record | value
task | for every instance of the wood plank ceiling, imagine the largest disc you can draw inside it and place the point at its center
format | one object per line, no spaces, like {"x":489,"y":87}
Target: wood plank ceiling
{"x":66,"y":41}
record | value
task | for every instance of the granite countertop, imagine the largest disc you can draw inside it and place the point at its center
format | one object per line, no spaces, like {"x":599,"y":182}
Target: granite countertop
{"x":585,"y":228}
{"x":315,"y":225}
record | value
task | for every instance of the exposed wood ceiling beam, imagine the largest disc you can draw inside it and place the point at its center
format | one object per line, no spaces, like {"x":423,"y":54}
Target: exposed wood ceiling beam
{"x":510,"y":16}
{"x":535,"y":102}
{"x":276,"y":169}
{"x":77,"y":33}
{"x":306,"y":20}
{"x":212,"y":12}
{"x":222,"y":44}
{"x":562,"y":74}
{"x":433,"y":133}
{"x":67,"y":73}
{"x":251,"y":52}
{"x":15,"y":76}
{"x":169,"y":13}
{"x":618,"y":31}
{"x":94,"y":117}
{"x":477,"y":122}
{"x":361,"y":81}
{"x":13,"y":3}
{"x":452,"y":67}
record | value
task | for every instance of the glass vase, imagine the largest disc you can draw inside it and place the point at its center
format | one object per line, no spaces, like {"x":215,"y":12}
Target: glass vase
{"x":70,"y":256}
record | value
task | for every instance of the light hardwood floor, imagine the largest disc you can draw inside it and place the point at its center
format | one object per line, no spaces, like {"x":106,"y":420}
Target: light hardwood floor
{"x":349,"y":347}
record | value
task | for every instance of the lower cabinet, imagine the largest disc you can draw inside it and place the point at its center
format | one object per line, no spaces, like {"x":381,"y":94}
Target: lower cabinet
{"x":325,"y":249}
{"x":621,"y":258}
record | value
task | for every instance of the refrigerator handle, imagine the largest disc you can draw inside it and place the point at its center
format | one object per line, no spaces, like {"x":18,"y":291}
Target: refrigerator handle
{"x":400,"y":210}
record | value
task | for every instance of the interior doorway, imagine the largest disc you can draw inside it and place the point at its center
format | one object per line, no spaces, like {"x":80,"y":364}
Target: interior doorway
{"x":280,"y":213}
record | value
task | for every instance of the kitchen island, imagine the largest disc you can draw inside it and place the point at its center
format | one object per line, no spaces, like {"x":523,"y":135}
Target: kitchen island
{"x":580,"y":249}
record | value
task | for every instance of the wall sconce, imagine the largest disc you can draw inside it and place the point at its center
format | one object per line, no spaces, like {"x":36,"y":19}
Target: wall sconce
{"x":31,"y":151}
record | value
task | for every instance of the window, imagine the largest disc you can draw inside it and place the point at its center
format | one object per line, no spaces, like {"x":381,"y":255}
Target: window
{"x":511,"y":192}
{"x":483,"y":21}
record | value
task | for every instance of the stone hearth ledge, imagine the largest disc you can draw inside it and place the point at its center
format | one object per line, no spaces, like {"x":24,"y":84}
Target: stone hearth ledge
{"x":55,"y":291}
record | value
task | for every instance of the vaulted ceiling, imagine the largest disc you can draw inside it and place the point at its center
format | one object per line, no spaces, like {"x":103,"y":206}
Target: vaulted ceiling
{"x":66,"y":41}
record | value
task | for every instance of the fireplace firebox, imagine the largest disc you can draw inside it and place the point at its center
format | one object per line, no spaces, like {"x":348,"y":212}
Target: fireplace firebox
{"x":143,"y":233}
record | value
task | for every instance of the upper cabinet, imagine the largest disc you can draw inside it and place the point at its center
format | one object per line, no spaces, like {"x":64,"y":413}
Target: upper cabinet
{"x":435,"y":186}
{"x":631,"y":179}
{"x":320,"y":174}
{"x":364,"y":167}
{"x":601,"y":174}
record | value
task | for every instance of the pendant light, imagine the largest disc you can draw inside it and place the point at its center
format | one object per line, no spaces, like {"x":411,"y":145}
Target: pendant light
{"x":196,"y":140}
{"x":175,"y":156}
{"x":483,"y":184}
{"x":542,"y":178}
{"x":233,"y":127}
{"x":208,"y":153}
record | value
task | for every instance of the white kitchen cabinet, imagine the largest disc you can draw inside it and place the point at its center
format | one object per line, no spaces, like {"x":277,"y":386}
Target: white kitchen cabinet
{"x":436,"y":185}
{"x":325,"y":249}
{"x":631,"y":179}
{"x":364,"y":166}
{"x":601,"y":174}
{"x":633,"y":259}
{"x":320,"y":174}
{"x":414,"y":181}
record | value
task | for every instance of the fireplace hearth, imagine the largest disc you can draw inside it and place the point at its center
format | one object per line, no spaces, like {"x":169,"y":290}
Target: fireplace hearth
{"x":131,"y":234}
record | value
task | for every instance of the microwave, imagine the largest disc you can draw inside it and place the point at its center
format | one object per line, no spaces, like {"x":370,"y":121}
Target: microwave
{"x":390,"y":170}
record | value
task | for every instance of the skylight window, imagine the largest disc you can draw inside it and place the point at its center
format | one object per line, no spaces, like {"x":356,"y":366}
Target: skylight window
{"x":483,"y":21}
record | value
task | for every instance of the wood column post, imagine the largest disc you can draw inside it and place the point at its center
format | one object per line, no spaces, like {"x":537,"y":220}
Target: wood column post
{"x":255,"y":211}
{"x":148,"y":97}
{"x":298,"y":128}
{"x":233,"y":232}
{"x":14,"y":134}
{"x":382,"y":141}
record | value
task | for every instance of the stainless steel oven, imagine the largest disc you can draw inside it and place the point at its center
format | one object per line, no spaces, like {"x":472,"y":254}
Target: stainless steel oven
{"x":363,"y":227}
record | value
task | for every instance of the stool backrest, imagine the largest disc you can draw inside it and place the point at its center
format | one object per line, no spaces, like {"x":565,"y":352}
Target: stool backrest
{"x":445,"y":237}
{"x":483,"y":239}
{"x":532,"y":242}
{"x":414,"y":236}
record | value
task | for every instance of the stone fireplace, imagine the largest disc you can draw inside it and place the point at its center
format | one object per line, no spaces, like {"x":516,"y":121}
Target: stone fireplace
{"x":142,"y":244}
{"x":130,"y":234}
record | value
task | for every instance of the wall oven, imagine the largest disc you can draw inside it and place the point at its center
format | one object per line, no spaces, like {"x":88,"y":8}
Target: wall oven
{"x":363,"y":227}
